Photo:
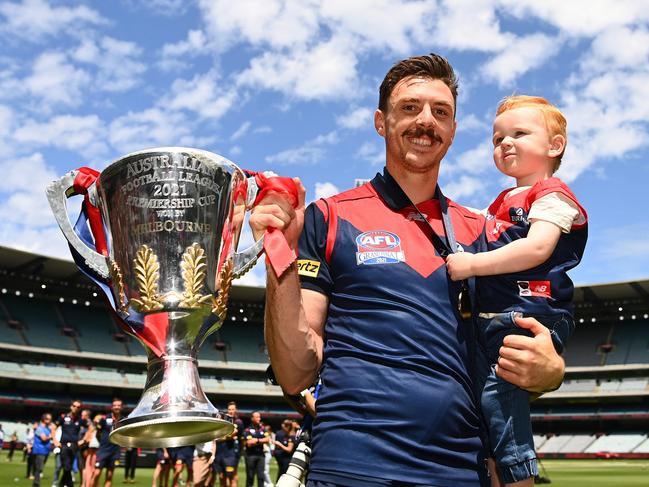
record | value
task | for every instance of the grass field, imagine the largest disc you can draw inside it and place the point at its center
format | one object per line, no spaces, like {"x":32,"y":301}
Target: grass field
{"x":562,"y":473}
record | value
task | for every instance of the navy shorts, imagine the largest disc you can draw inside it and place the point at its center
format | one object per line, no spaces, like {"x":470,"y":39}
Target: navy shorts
{"x":107,"y":460}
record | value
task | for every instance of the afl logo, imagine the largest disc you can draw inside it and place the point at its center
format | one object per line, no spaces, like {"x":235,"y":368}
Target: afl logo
{"x":378,"y":247}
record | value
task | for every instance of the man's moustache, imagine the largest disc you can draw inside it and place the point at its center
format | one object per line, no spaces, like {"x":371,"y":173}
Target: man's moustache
{"x":419,"y":132}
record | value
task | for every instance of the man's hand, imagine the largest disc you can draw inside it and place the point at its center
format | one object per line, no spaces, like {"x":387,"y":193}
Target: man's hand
{"x":276,"y":211}
{"x":531,"y":363}
{"x":460,"y":265}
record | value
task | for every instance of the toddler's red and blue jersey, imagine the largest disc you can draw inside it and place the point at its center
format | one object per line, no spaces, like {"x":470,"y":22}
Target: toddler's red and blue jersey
{"x":542,"y":290}
{"x":395,"y":401}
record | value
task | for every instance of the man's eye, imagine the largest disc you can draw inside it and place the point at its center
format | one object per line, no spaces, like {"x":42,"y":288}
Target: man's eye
{"x":409,"y":108}
{"x":441,"y":112}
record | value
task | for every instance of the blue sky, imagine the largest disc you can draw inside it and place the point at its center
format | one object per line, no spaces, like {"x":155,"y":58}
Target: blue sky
{"x":290,"y":86}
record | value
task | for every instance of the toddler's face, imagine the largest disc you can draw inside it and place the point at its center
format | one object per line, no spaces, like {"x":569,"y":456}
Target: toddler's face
{"x":522,"y":145}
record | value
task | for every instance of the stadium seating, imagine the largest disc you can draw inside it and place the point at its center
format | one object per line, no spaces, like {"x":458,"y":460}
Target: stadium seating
{"x":42,"y":323}
{"x":582,"y":347}
{"x":642,"y":447}
{"x":538,"y":441}
{"x":246,"y":343}
{"x":577,"y":443}
{"x":617,"y":443}
{"x":51,"y":372}
{"x":554,"y":444}
{"x":94,"y":327}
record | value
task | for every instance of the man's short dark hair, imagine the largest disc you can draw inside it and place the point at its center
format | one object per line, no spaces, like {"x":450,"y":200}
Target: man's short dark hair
{"x":431,"y":66}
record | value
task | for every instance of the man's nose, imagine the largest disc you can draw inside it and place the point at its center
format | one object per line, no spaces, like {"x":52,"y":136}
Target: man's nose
{"x":426,"y":117}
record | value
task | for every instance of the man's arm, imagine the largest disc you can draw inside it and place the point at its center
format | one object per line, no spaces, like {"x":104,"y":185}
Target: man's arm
{"x":294,"y":317}
{"x":519,"y":255}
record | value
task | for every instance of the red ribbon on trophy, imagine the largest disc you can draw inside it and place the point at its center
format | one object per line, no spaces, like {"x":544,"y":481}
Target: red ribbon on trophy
{"x":279,"y":254}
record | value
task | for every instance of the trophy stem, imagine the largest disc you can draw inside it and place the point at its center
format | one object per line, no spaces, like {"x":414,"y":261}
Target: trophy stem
{"x":173,"y":410}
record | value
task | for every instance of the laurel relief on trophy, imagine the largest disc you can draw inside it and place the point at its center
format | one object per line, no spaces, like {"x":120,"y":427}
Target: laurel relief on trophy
{"x":193,"y":270}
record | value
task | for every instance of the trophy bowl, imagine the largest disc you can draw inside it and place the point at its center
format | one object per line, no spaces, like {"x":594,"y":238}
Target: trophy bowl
{"x":158,"y":233}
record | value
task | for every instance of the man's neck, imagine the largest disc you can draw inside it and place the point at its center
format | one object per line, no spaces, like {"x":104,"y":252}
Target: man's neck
{"x":419,"y":187}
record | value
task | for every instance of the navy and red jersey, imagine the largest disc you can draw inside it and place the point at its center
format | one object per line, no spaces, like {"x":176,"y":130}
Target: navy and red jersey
{"x":230,"y":446}
{"x":396,"y":400}
{"x":70,"y":425}
{"x":104,"y":428}
{"x":542,"y":290}
{"x":259,"y":433}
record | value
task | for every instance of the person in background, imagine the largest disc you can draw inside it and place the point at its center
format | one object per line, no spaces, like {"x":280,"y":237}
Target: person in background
{"x":27,"y":450}
{"x":108,"y":452}
{"x":70,"y":425}
{"x":41,"y":447}
{"x":162,"y":468}
{"x":255,"y":437}
{"x":204,"y":455}
{"x":91,"y":452}
{"x":228,"y":450}
{"x":130,"y":464}
{"x":13,"y":441}
{"x":269,"y":448}
{"x":183,"y":458}
{"x":284,"y":444}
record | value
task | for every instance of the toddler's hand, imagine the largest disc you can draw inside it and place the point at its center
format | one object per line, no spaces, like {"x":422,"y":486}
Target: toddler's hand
{"x":459,"y":265}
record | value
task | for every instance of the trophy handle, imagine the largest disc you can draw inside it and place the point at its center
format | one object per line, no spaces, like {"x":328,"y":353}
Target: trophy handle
{"x":58,"y":192}
{"x":246,"y":259}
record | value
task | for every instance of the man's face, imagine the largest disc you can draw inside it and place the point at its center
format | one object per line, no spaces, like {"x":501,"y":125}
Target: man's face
{"x":85,"y":414}
{"x":255,"y":418}
{"x":418,"y":125}
{"x":47,"y":420}
{"x":116,"y":408}
{"x":75,"y":407}
{"x":232,"y":410}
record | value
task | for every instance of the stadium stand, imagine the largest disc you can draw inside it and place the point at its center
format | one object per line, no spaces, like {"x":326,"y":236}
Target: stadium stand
{"x":618,"y":443}
{"x":58,"y":342}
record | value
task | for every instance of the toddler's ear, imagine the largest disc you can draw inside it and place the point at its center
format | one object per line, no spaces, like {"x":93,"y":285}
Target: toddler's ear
{"x":557,"y":145}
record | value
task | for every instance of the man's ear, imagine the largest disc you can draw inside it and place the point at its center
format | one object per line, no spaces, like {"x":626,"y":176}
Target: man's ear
{"x":557,"y":145}
{"x":379,"y":122}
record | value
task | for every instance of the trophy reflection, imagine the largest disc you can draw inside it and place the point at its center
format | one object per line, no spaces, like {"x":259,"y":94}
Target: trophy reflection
{"x":158,"y":233}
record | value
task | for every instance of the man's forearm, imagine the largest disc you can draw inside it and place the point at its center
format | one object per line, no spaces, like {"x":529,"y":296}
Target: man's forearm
{"x":293,"y":347}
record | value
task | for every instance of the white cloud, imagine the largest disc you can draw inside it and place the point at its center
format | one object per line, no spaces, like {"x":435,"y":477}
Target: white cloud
{"x":580,"y":18}
{"x":324,"y":190}
{"x":82,"y":134}
{"x":312,"y":152}
{"x":325,"y":71}
{"x":522,"y":55}
{"x":152,"y":128}
{"x":372,"y":152}
{"x":473,"y":161}
{"x":276,"y":23}
{"x":619,"y":47}
{"x":465,"y":187}
{"x":241,"y":131}
{"x":204,"y":95}
{"x":173,"y":56}
{"x":35,"y":19}
{"x":55,"y":80}
{"x":470,"y":25}
{"x":39,"y":240}
{"x":118,"y":70}
{"x":471,"y":123}
{"x":356,"y":119}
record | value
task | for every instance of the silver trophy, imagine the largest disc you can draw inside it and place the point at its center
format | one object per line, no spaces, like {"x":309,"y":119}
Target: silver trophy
{"x":165,"y":226}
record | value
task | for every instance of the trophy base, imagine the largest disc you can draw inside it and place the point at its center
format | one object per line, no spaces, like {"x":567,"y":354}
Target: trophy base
{"x":164,"y":430}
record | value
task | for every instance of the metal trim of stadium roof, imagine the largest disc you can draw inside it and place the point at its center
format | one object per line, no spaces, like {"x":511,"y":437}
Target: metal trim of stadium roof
{"x":64,"y":274}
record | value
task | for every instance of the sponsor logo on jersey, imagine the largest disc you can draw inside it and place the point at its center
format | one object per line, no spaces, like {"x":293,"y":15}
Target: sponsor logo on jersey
{"x":379,"y":247}
{"x":308,"y":268}
{"x":517,"y":215}
{"x":540,"y":289}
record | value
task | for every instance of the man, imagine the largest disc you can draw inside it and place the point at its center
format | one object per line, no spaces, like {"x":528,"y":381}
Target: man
{"x":284,"y":444}
{"x":228,"y":450}
{"x":255,"y":437}
{"x":41,"y":447}
{"x":161,"y":473}
{"x":396,"y":403}
{"x":70,"y":425}
{"x":107,"y":453}
{"x":182,"y":458}
{"x":204,"y":455}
